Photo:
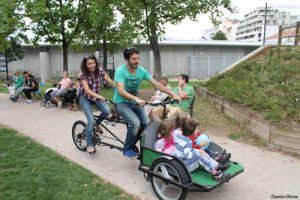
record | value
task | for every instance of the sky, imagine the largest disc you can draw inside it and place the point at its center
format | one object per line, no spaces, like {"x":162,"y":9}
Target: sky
{"x":189,"y":30}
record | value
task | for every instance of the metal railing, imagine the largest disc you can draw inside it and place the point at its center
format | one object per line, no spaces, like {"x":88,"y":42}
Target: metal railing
{"x":293,"y":32}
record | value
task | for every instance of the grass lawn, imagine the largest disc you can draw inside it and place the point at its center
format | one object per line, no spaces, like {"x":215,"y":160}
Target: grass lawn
{"x":31,"y":171}
{"x":3,"y":89}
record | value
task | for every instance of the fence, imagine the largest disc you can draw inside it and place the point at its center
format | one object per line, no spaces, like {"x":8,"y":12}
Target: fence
{"x":289,"y":32}
{"x":285,"y":15}
{"x":203,"y":67}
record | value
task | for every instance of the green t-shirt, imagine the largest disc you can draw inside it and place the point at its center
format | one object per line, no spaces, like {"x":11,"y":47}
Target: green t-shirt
{"x":131,"y":82}
{"x":18,"y":81}
{"x":185,"y":103}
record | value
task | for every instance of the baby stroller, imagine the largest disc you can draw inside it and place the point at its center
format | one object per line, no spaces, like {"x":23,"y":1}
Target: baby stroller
{"x":47,"y":101}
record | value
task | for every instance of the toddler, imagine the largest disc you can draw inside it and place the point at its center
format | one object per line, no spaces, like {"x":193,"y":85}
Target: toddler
{"x":193,"y":158}
{"x":166,"y":133}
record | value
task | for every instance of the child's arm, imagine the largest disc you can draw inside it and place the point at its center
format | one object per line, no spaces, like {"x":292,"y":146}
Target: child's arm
{"x":159,"y":145}
{"x":187,"y":152}
{"x":203,"y":143}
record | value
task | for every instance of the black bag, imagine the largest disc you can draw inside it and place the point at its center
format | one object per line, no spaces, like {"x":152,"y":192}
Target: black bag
{"x":69,"y":97}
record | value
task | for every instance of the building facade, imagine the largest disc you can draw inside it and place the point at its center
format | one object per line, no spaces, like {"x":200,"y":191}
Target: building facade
{"x":251,"y":28}
{"x":229,"y":28}
{"x":197,"y":58}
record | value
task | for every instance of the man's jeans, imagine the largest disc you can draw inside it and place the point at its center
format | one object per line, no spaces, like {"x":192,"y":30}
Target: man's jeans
{"x":136,"y":118}
{"x":86,"y":106}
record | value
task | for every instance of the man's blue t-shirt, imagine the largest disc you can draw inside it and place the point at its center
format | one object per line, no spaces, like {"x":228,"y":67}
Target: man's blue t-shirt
{"x":131,"y":82}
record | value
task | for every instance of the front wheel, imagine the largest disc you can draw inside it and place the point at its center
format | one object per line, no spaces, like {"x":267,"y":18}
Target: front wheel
{"x":79,"y":135}
{"x":169,"y":170}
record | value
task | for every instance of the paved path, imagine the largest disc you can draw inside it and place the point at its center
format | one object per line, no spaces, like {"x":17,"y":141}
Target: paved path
{"x":266,"y":173}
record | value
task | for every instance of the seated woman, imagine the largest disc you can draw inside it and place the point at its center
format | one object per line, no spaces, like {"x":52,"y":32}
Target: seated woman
{"x":17,"y":84}
{"x":64,"y":85}
{"x":30,"y":85}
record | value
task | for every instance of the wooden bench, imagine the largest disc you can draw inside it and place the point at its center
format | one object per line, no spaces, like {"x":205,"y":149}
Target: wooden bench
{"x":191,"y":108}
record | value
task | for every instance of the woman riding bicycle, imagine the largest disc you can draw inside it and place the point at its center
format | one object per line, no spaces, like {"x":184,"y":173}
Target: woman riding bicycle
{"x":88,"y":93}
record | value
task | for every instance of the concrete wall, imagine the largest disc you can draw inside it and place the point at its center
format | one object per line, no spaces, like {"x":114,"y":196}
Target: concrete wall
{"x":175,"y":58}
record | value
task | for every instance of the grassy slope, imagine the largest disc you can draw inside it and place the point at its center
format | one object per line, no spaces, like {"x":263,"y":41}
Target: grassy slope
{"x":268,"y":84}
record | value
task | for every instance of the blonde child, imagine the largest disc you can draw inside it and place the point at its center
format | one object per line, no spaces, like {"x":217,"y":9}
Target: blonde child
{"x":166,"y":142}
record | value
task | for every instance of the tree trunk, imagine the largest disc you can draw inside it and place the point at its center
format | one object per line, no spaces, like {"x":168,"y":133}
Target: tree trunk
{"x":156,"y":53}
{"x":6,"y":66}
{"x":65,"y":55}
{"x":104,"y":47}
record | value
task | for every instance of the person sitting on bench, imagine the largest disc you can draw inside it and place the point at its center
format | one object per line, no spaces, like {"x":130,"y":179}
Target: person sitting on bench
{"x":186,"y":93}
{"x":30,"y":85}
{"x":64,"y":85}
{"x":17,"y":84}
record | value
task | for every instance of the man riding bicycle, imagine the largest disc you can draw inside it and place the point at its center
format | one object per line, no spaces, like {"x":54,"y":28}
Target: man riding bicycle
{"x":128,"y":78}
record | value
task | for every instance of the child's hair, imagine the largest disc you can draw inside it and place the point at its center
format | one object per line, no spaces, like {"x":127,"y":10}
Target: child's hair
{"x":189,"y":126}
{"x":179,"y":119}
{"x":166,"y":127}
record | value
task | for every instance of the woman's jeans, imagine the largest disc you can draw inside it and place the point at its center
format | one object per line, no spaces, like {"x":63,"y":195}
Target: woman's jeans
{"x":86,"y":106}
{"x":136,"y":118}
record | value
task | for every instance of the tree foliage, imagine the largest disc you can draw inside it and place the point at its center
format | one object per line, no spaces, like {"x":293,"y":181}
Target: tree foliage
{"x":152,"y":15}
{"x":106,"y":28}
{"x":56,"y":21}
{"x":14,"y":51}
{"x":219,"y":36}
{"x":10,"y":22}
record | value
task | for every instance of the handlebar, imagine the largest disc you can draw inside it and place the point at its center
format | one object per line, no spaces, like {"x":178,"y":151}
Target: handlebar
{"x":163,"y":102}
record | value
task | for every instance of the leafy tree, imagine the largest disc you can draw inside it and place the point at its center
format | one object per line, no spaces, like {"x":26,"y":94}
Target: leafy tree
{"x":106,"y":29}
{"x":219,"y":36}
{"x":14,"y":51}
{"x":151,"y":15}
{"x":11,"y":24}
{"x":56,"y":21}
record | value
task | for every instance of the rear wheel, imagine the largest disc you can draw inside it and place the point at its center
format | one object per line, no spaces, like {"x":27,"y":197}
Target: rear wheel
{"x":170,"y":170}
{"x":79,"y":135}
